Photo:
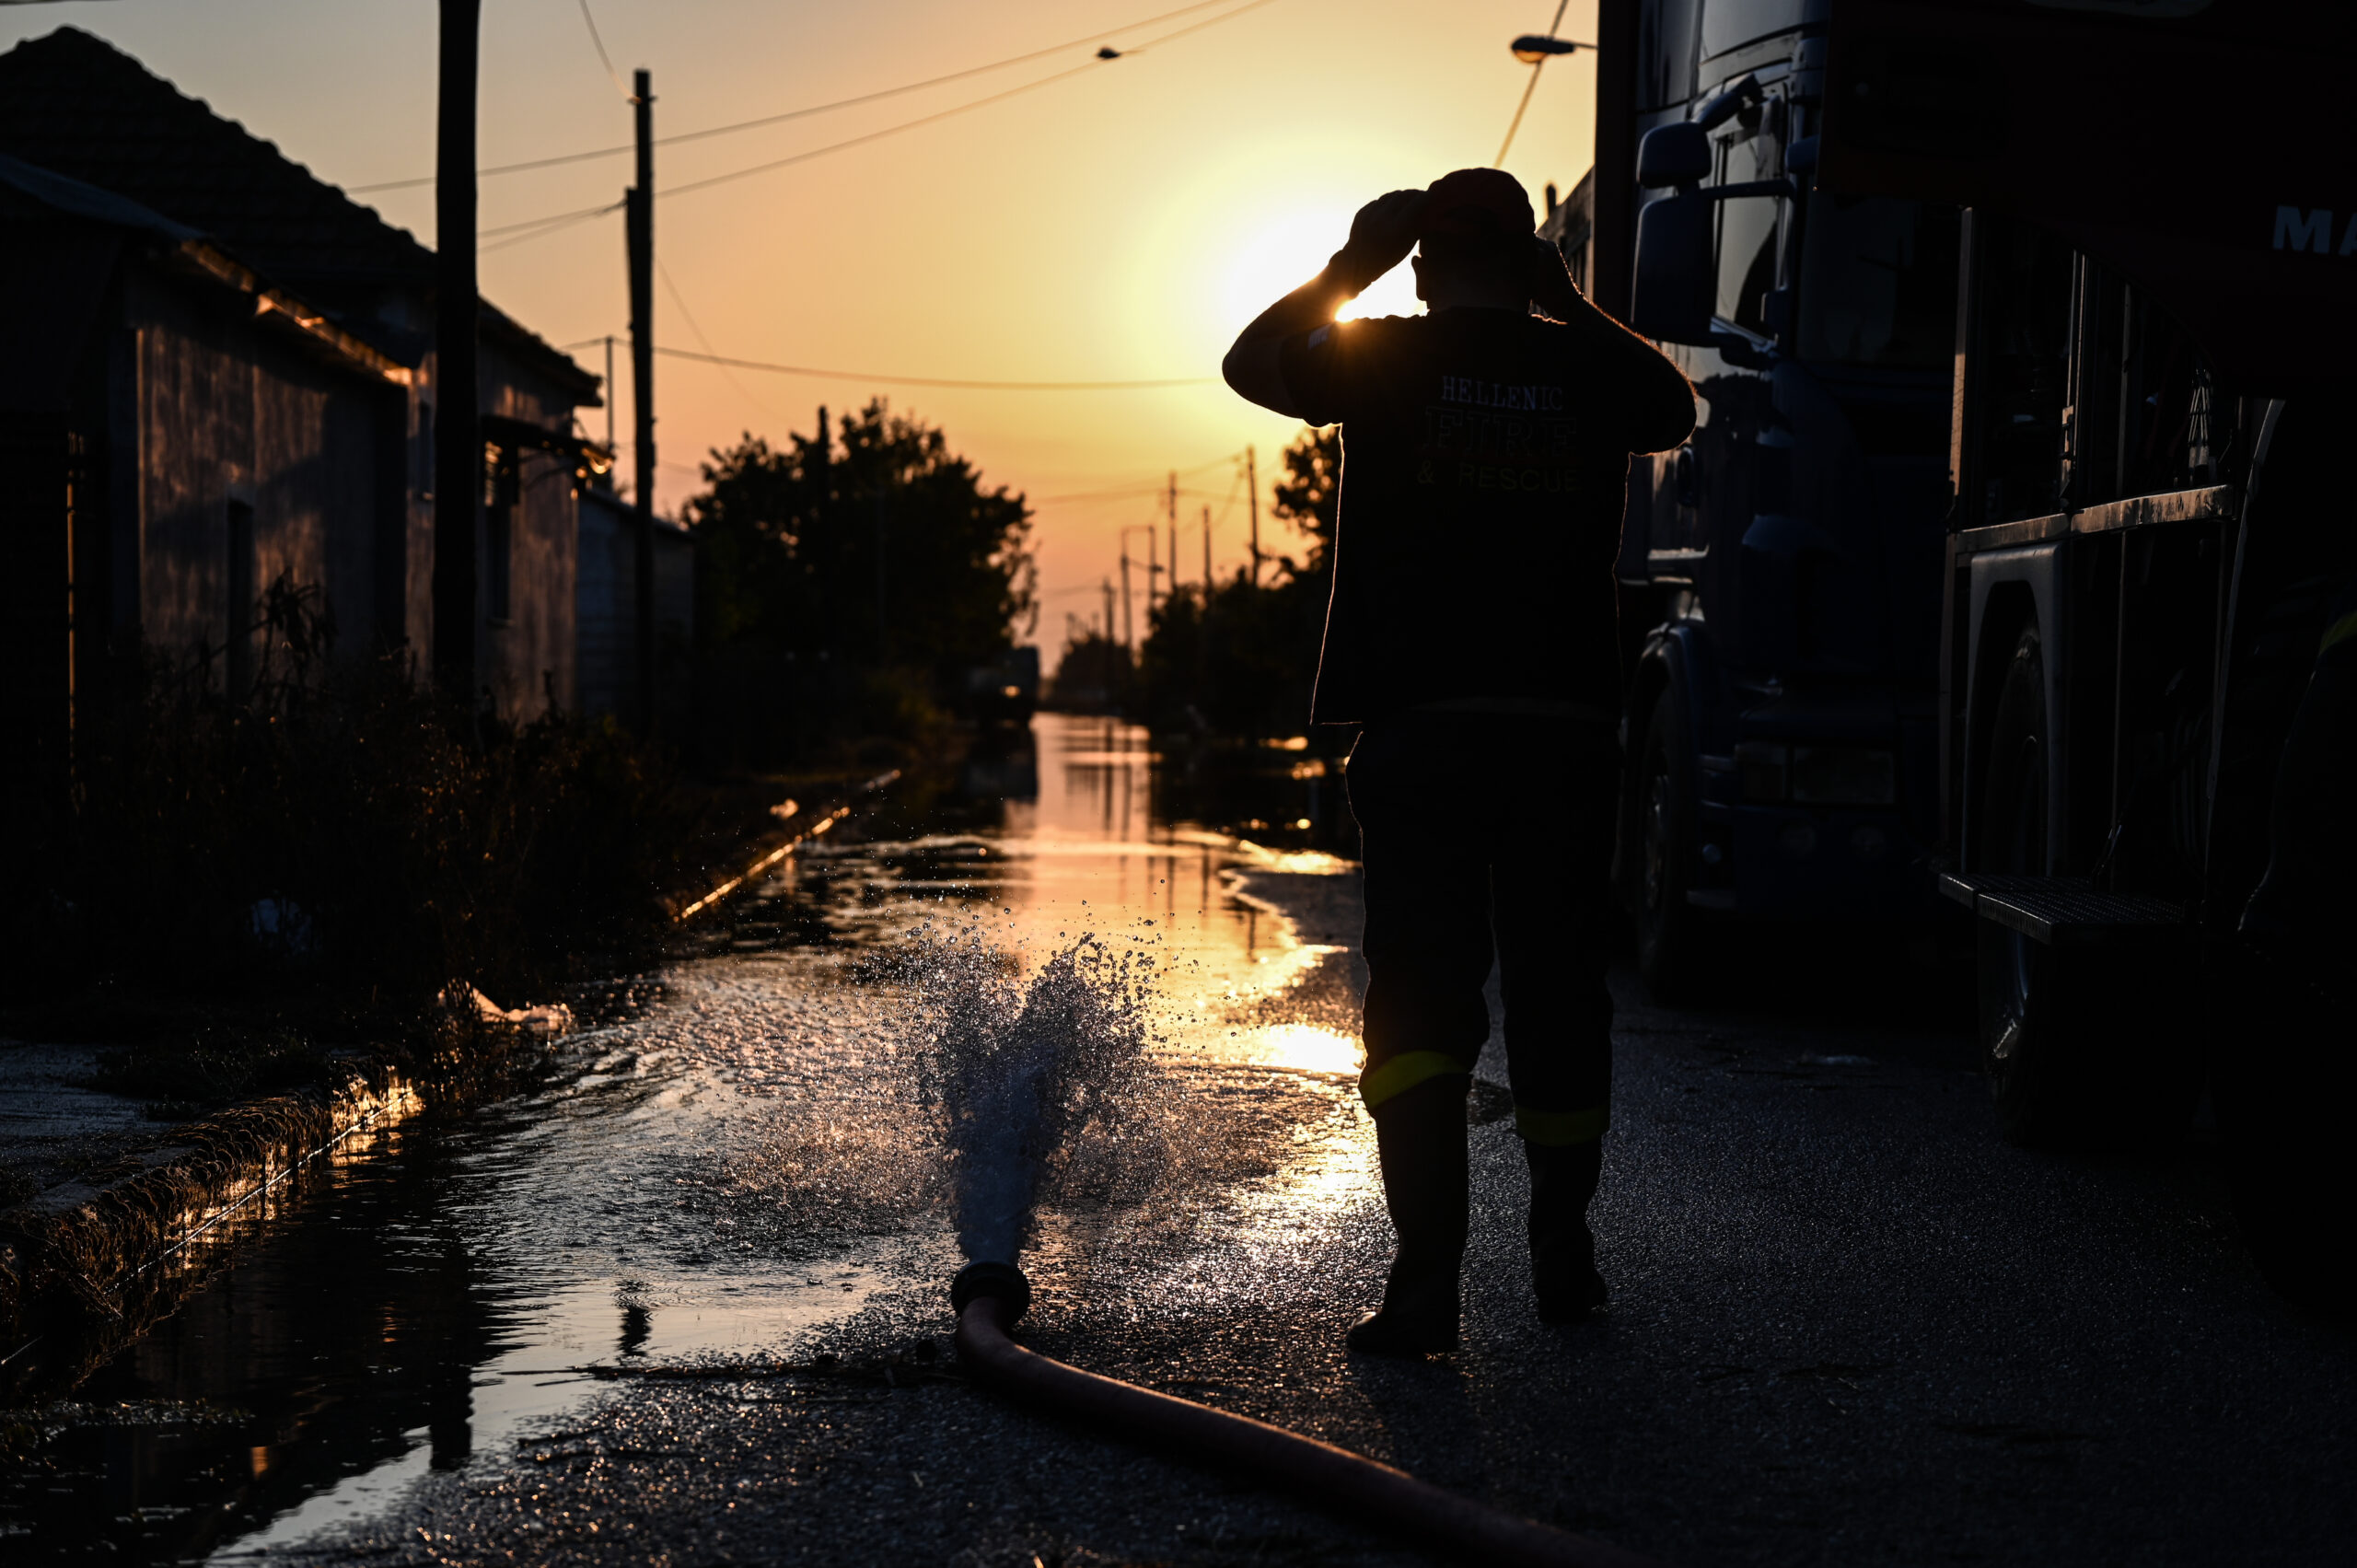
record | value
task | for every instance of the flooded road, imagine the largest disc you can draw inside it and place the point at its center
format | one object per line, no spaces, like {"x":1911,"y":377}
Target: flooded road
{"x":731,"y":1165}
{"x":1848,"y":1325}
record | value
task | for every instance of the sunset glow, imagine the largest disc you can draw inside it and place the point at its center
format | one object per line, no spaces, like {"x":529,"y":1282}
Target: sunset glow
{"x":1121,"y":222}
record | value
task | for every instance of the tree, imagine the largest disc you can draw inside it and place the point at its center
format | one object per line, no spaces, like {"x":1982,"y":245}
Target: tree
{"x":1310,"y":495}
{"x":1241,"y":662}
{"x":843,"y":564}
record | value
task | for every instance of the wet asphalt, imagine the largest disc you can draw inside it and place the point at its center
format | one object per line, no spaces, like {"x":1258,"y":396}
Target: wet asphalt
{"x":1847,"y":1326}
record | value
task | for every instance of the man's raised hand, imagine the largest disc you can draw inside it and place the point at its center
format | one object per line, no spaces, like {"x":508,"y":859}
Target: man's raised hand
{"x":1382,"y":234}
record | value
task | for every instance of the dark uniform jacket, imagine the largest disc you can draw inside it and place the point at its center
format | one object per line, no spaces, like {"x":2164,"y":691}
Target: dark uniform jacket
{"x":1485,"y":470}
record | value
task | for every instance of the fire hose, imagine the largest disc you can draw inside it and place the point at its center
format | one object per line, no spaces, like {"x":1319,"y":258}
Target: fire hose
{"x":990,"y":1297}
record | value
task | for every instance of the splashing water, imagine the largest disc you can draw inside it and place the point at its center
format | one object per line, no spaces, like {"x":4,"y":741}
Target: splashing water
{"x":1043,"y":1086}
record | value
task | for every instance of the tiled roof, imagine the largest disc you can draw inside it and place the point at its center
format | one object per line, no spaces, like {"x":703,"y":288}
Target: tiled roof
{"x":73,"y":104}
{"x":76,"y":104}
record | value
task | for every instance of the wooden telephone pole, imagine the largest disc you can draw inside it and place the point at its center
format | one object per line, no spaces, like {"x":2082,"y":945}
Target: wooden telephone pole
{"x":458,"y":430}
{"x":639,"y":221}
{"x":1128,"y":641}
{"x":1252,"y":491}
{"x":1174,"y":536}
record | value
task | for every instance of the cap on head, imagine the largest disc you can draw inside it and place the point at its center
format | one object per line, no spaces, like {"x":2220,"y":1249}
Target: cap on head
{"x":1478,"y":202}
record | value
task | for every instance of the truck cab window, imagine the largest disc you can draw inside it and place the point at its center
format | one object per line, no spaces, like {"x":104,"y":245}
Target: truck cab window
{"x":1878,"y":283}
{"x":2025,"y":354}
{"x":2172,"y":408}
{"x":1748,"y":231}
{"x":1665,"y":53}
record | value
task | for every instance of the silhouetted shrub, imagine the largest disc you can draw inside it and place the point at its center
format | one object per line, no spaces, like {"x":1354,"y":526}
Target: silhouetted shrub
{"x":337,"y":825}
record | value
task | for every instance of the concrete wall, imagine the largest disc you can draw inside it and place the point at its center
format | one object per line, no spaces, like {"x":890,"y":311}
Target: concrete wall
{"x":234,"y":423}
{"x":207,"y":423}
{"x":607,"y":612}
{"x":527,"y":659}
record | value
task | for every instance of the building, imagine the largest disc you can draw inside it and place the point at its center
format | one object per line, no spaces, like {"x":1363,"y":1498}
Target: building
{"x":216,"y":368}
{"x":606,"y":612}
{"x":1570,"y":227}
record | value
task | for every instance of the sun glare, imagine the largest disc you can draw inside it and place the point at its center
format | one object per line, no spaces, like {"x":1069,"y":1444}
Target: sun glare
{"x":1281,"y":256}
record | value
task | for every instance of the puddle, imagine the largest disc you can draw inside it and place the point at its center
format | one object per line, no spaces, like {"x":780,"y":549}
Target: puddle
{"x":736,"y":1169}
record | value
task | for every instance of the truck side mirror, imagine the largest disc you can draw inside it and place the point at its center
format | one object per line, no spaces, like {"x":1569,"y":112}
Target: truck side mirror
{"x":1673,"y":157}
{"x":1675,"y":286}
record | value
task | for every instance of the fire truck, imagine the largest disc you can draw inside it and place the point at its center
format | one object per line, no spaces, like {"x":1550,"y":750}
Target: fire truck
{"x":2010,"y":566}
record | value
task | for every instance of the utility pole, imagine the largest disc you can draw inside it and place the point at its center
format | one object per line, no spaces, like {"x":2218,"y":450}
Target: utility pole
{"x":1252,"y":490}
{"x":610,"y":393}
{"x":1207,"y":558}
{"x":1108,"y":610}
{"x":1174,"y":531}
{"x":458,"y":430}
{"x":1128,"y":643}
{"x":1152,"y":571}
{"x":639,"y":220}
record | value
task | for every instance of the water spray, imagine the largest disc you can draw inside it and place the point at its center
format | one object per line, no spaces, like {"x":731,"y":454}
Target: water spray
{"x":989,"y":1298}
{"x":1026,"y":1073}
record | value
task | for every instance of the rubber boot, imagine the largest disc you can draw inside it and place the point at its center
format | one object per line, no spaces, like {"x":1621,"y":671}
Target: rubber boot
{"x":1563,"y":1249}
{"x":1419,"y":1141}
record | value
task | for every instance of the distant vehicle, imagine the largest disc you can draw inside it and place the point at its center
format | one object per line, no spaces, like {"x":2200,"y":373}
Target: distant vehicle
{"x":1006,"y":691}
{"x":2019,"y":522}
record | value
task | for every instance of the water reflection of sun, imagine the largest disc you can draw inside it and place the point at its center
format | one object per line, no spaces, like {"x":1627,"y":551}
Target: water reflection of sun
{"x":1303,"y":1047}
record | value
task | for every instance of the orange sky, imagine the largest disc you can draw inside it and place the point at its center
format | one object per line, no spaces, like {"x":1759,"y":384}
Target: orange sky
{"x":1122,"y":224}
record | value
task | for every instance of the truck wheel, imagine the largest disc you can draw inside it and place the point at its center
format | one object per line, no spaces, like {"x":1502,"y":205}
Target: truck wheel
{"x":2082,"y":1047}
{"x":1667,"y":938}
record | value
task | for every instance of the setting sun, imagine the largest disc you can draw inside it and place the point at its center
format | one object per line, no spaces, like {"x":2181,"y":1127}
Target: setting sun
{"x":1288,"y":252}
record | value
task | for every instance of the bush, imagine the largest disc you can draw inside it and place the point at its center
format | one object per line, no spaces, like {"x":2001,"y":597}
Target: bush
{"x":334,"y":825}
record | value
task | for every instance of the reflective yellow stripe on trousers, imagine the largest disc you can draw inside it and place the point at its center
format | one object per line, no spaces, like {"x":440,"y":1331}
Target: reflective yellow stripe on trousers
{"x":1560,"y":1129}
{"x":1404,"y":1072}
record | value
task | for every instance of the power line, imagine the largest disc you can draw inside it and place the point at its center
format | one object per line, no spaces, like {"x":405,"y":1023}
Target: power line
{"x":1531,"y":86}
{"x":1155,"y":494}
{"x":953,"y":384}
{"x":547,"y":227}
{"x":887,"y":131}
{"x":554,"y":220}
{"x":802,"y":113}
{"x":603,"y":59}
{"x":690,"y":317}
{"x":1159,"y":487}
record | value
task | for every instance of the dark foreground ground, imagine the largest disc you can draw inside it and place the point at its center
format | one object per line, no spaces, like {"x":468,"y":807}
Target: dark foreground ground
{"x":1848,"y":1327}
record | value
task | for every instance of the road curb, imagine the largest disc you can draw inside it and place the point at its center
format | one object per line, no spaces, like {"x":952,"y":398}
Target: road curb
{"x":805,"y":827}
{"x":88,"y":1264}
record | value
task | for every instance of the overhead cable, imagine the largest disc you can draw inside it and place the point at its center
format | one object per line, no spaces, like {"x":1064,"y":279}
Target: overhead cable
{"x":802,"y":113}
{"x":954,"y":384}
{"x":1157,"y":487}
{"x":690,"y":317}
{"x":1531,"y":86}
{"x":603,"y":58}
{"x":552,"y":219}
{"x":960,"y":109}
{"x":560,"y":219}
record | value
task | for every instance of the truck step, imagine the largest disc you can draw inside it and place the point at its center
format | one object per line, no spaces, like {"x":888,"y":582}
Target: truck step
{"x":2067,"y":911}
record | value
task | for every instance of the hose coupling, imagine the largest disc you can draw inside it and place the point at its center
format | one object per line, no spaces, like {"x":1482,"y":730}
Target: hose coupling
{"x":1004,"y":1280}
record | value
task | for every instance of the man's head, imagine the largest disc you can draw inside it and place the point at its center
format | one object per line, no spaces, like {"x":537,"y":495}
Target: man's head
{"x":1474,"y":241}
